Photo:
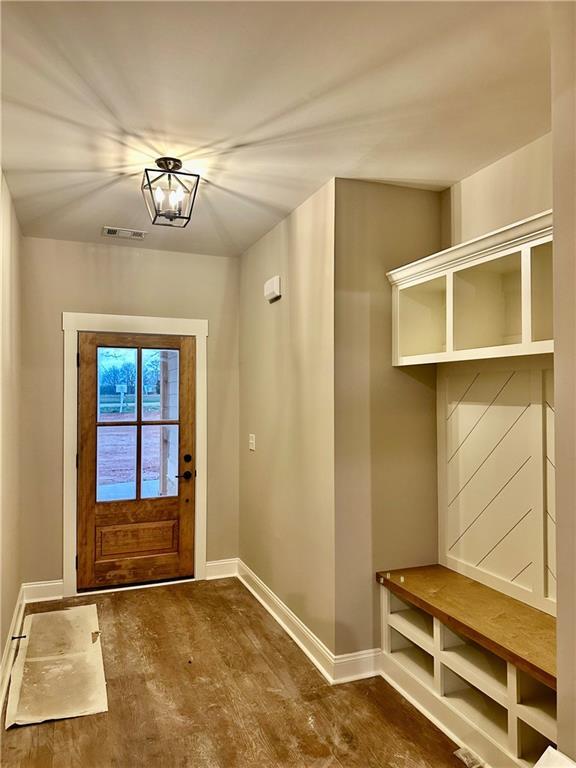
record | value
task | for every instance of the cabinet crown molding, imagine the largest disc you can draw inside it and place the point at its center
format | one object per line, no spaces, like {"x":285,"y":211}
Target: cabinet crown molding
{"x":510,"y":236}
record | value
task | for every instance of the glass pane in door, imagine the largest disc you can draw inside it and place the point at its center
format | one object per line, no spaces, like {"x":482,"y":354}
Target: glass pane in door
{"x":117,"y":377}
{"x":116,"y":463}
{"x":159,"y":460}
{"x":160,"y":384}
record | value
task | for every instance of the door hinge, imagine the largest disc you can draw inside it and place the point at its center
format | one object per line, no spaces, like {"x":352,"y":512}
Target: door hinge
{"x":76,"y":562}
{"x":195,"y":473}
{"x":77,"y":359}
{"x":77,"y":461}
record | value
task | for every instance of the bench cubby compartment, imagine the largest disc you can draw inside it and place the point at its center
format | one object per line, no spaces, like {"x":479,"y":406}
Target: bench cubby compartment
{"x":483,"y":669}
{"x":481,"y":710}
{"x":413,"y":623}
{"x":531,"y":744}
{"x":536,"y":705}
{"x":414,"y":659}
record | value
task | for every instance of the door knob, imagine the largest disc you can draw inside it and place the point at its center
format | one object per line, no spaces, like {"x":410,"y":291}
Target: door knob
{"x":185,"y":475}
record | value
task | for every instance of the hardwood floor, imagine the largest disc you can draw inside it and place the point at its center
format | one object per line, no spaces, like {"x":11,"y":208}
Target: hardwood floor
{"x":200,"y":675}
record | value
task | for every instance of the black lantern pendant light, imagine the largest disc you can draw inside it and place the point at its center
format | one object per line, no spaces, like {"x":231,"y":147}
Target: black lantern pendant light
{"x":169,"y":193}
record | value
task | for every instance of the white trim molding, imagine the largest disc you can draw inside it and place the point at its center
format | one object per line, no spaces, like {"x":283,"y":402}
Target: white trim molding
{"x":480,"y":248}
{"x":178,"y":326}
{"x":40,"y":591}
{"x":11,"y":646}
{"x":335,"y":669}
{"x":34,"y":592}
{"x":222,"y":569}
{"x":72,"y":323}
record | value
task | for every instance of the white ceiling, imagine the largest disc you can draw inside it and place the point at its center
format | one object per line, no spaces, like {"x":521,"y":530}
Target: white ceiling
{"x":266,"y":100}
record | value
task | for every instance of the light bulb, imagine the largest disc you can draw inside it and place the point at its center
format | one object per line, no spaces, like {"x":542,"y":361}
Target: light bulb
{"x":175,"y":198}
{"x":159,"y":196}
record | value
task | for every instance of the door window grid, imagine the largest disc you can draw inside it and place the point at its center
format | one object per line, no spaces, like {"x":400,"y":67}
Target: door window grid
{"x":122,"y":372}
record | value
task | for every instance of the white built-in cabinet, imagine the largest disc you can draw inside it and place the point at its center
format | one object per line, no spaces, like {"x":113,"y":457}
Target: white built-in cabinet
{"x":489,"y":297}
{"x":500,"y":712}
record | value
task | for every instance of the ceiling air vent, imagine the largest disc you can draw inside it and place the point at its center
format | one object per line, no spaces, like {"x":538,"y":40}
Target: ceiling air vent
{"x":124,"y":234}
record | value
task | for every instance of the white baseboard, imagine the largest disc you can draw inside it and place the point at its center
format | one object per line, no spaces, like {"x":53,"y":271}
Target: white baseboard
{"x":222,"y":569}
{"x":336,"y":669}
{"x":40,"y":591}
{"x":34,"y":592}
{"x":356,"y":666}
{"x":10,"y":646}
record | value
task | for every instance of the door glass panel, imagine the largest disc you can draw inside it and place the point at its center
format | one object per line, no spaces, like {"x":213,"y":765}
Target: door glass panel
{"x":116,"y":463}
{"x":117,"y":376}
{"x":160,"y":384}
{"x":159,"y":460}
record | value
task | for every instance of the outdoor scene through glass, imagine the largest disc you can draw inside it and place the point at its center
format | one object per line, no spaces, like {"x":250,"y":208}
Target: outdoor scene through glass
{"x":121,"y":426}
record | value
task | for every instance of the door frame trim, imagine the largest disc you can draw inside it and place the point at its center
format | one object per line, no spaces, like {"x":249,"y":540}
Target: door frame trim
{"x":72,"y":324}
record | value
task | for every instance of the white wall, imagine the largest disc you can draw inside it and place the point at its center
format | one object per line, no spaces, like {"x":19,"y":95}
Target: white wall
{"x":62,"y":276}
{"x":287,"y":401}
{"x":10,"y":570}
{"x":515,"y":187}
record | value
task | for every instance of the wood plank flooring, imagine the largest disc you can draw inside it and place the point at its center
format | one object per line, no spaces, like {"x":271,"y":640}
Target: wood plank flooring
{"x":200,"y":675}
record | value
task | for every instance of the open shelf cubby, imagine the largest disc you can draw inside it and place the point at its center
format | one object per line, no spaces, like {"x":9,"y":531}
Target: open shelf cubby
{"x":476,"y":665}
{"x":478,"y":708}
{"x":488,"y":303}
{"x":531,"y":744}
{"x":537,"y":705}
{"x":418,"y":662}
{"x":422,"y":312}
{"x":542,"y":292}
{"x":487,"y":297}
{"x":412,"y":623}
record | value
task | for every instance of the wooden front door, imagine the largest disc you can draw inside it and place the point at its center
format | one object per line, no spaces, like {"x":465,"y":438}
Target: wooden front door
{"x":136,"y":458}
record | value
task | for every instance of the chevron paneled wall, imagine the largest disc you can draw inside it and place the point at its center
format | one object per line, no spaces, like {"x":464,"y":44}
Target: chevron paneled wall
{"x":496,"y":476}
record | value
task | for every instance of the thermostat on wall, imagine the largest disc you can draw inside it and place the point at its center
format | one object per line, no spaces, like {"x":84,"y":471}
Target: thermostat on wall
{"x":272,"y":289}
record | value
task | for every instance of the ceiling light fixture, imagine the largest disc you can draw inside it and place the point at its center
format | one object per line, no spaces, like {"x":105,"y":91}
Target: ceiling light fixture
{"x":169,"y":193}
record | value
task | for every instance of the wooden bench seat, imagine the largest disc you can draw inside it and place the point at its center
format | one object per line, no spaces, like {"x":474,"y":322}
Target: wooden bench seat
{"x":516,"y":632}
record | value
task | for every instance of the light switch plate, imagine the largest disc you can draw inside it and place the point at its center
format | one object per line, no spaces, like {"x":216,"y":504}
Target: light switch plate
{"x":252,"y":442}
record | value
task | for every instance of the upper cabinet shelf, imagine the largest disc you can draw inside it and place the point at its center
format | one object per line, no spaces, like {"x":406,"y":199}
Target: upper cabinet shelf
{"x":489,"y":297}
